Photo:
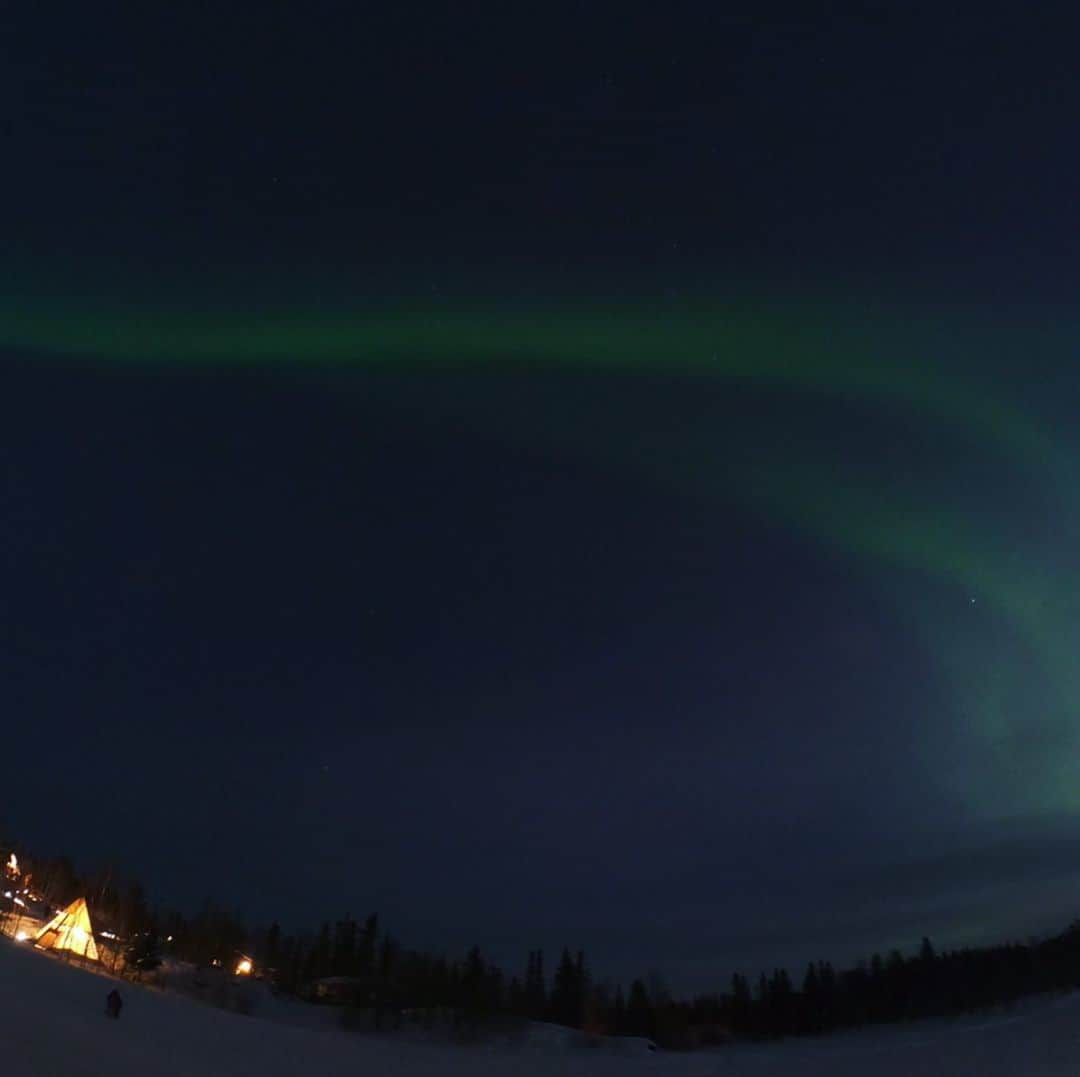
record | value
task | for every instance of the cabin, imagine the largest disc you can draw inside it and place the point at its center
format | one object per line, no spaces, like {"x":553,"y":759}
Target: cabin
{"x":344,"y":990}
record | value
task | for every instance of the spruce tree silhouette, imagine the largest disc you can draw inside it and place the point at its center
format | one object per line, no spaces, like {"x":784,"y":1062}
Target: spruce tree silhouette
{"x":566,"y":995}
{"x":343,"y":962}
{"x":741,"y":1004}
{"x":639,"y":1015}
{"x":811,"y":1001}
{"x":365,"y":946}
{"x":271,"y":954}
{"x":618,"y":1013}
{"x":535,"y":989}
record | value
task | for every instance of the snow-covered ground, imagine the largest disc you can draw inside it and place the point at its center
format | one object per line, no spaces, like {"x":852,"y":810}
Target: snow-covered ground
{"x":52,"y":1024}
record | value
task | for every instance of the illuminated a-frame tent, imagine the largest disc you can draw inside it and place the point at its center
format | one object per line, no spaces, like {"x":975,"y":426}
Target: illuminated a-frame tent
{"x":70,"y":930}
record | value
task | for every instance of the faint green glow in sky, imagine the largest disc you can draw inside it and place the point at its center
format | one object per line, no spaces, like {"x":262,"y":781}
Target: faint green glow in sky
{"x":881,"y":362}
{"x":696,"y":338}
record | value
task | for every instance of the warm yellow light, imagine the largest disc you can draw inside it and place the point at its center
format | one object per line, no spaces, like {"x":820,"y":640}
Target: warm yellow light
{"x":243,"y":967}
{"x":13,"y":865}
{"x":21,"y":936}
{"x":78,"y":933}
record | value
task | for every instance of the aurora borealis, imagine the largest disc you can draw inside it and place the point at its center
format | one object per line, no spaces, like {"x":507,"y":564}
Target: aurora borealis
{"x":946,"y":425}
{"x":628,"y":475}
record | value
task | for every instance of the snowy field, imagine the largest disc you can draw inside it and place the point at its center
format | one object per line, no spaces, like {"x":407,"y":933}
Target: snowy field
{"x":52,"y":1024}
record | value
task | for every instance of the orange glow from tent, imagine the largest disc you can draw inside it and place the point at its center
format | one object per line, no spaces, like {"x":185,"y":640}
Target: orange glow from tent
{"x":69,"y":930}
{"x":243,"y":967}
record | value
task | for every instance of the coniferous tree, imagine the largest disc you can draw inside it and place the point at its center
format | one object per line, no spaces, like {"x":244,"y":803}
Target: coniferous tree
{"x":365,"y":947}
{"x":582,"y":988}
{"x":343,"y":961}
{"x":389,"y":964}
{"x":59,"y":882}
{"x":923,"y":981}
{"x":564,"y":993}
{"x":811,"y":1000}
{"x":763,"y":1024}
{"x":896,"y":996}
{"x":827,"y":980}
{"x":741,"y":1004}
{"x":144,"y":952}
{"x":639,"y":1015}
{"x":272,"y":946}
{"x":135,"y":916}
{"x":286,"y":974}
{"x":659,"y":995}
{"x":528,"y":990}
{"x":926,"y":952}
{"x":618,"y":1013}
{"x":599,"y":1010}
{"x":320,"y":957}
{"x":569,"y":990}
{"x":877,"y":1002}
{"x":780,"y":1002}
{"x":473,"y":985}
{"x":389,"y":959}
{"x":515,"y":998}
{"x":535,"y":988}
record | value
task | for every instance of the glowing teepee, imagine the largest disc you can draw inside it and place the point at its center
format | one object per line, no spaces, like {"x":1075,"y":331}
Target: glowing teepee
{"x":69,"y":930}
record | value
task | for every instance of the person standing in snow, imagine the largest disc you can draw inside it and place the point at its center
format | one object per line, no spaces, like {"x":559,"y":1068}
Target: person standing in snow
{"x":113,"y":1002}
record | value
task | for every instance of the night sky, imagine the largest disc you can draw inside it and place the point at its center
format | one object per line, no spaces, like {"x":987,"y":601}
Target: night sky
{"x":602,"y":474}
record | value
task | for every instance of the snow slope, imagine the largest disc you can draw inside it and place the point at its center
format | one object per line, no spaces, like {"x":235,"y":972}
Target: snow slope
{"x":52,"y":1025}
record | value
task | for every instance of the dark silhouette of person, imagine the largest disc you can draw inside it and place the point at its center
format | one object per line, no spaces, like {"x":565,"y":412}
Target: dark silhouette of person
{"x":113,"y":1002}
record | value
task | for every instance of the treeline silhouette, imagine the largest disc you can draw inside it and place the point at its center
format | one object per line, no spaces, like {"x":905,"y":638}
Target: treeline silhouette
{"x":388,"y":979}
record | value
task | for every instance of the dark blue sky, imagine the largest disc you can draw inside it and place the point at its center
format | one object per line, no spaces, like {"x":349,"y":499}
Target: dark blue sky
{"x":900,"y":138}
{"x":525,"y":656}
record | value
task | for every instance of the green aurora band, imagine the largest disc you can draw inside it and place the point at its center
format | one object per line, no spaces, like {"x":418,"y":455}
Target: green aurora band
{"x":824,"y":356}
